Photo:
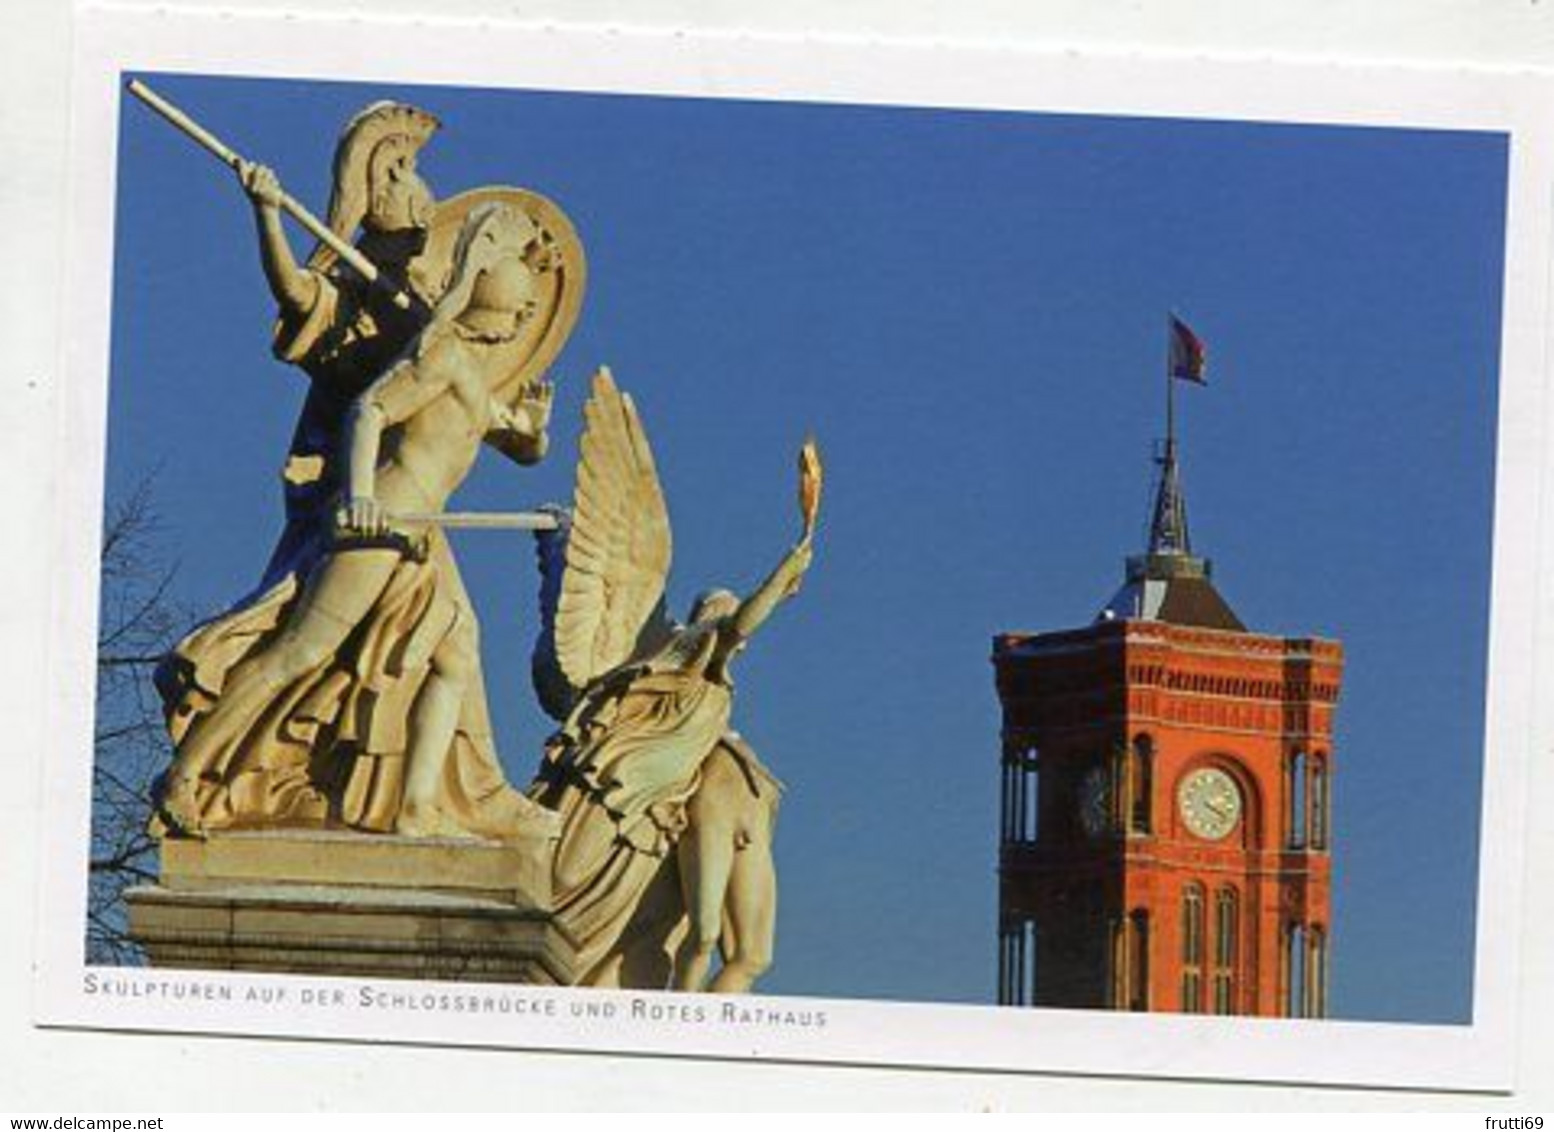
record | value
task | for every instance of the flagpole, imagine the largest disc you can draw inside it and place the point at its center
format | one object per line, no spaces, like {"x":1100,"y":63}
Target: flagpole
{"x":1170,"y":380}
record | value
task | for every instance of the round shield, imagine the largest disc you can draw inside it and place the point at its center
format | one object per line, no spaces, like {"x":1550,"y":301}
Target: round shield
{"x":560,"y":275}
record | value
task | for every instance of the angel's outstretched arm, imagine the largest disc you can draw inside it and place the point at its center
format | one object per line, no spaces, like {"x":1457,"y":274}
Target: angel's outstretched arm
{"x":783,"y":583}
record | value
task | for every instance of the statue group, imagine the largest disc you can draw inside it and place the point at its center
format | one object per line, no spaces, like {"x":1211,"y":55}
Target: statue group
{"x":346,"y":692}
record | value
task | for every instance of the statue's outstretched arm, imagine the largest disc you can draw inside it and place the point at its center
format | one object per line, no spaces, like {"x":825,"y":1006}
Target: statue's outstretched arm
{"x":522,"y":432}
{"x":783,"y":583}
{"x":293,"y":288}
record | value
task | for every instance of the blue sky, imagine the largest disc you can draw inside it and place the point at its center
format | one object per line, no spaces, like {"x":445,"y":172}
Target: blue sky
{"x":968,"y":310}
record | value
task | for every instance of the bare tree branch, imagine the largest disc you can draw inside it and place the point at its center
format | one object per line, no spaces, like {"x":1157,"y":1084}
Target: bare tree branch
{"x":140,"y":619}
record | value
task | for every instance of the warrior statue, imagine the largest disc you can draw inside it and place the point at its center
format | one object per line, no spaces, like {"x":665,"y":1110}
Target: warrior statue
{"x":347,"y":689}
{"x":341,"y":331}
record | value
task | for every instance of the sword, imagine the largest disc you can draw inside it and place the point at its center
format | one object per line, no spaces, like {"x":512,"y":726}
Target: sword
{"x":414,"y":545}
{"x":481,"y":520}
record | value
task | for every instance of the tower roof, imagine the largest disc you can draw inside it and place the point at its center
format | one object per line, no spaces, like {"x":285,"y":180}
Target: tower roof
{"x":1168,"y":582}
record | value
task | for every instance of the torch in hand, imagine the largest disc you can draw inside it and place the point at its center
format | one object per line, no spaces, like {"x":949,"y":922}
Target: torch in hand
{"x":811,"y":477}
{"x":811,"y":480}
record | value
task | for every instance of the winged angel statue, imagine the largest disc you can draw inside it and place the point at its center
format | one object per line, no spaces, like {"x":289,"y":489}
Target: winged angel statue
{"x":646,"y":854}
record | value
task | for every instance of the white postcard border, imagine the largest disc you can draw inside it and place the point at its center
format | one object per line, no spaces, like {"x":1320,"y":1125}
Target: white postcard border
{"x":1477,"y":1056}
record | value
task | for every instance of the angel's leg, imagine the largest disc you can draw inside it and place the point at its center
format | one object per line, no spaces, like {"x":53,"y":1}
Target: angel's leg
{"x":752,"y":913}
{"x":706,"y":857}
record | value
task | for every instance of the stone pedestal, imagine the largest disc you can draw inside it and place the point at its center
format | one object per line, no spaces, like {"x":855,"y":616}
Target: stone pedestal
{"x":335,"y":903}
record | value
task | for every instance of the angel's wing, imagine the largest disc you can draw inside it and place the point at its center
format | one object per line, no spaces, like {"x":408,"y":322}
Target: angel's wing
{"x":618,"y":547}
{"x":556,"y":693}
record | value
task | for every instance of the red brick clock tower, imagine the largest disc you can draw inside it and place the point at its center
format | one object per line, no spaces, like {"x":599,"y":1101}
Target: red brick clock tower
{"x":1167,"y":783}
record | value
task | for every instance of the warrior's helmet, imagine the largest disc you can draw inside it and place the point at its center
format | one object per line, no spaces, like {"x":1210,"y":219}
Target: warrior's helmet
{"x":490,"y":269}
{"x":375,"y":171}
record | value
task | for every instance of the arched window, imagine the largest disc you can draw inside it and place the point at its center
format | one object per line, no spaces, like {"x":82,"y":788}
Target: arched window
{"x":1293,"y":963}
{"x":1021,"y":795}
{"x":1295,"y":800}
{"x":1192,"y":949}
{"x":1226,"y":945}
{"x":1030,"y":796}
{"x":1119,"y":788}
{"x":1321,"y":806}
{"x":1141,"y":785}
{"x":1316,"y":974}
{"x":1138,"y":959}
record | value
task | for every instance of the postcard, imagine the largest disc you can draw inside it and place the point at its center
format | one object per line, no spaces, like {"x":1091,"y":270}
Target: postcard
{"x":682,"y":545}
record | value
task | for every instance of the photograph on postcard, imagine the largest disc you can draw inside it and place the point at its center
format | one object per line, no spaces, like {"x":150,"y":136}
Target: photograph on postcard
{"x":977,"y":316}
{"x":658,"y":544}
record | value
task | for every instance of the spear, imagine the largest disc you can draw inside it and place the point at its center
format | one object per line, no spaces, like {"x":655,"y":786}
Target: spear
{"x":289,"y":204}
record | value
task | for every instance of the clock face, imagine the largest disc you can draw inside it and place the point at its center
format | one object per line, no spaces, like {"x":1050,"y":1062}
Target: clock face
{"x":1210,"y":803}
{"x":1095,"y":802}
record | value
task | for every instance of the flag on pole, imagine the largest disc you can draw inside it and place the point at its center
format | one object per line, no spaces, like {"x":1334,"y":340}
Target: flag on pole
{"x":1189,"y":359}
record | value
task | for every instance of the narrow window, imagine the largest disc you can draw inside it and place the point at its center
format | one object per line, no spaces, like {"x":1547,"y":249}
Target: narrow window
{"x":1141,"y":765}
{"x":1192,"y":949}
{"x":1226,"y":914}
{"x":1316,"y":975}
{"x":1020,"y":795}
{"x":1192,"y":992}
{"x":1006,"y":977}
{"x":1030,"y":772}
{"x":1006,"y":822}
{"x":1120,"y":784}
{"x":1319,"y":802}
{"x":1295,"y":971}
{"x":1295,"y":801}
{"x":1017,"y":939}
{"x":1028,"y":974}
{"x":1138,"y":973}
{"x":1119,"y":963}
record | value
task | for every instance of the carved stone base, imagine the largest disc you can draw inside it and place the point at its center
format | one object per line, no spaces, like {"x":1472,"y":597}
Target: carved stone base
{"x":328,"y":903}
